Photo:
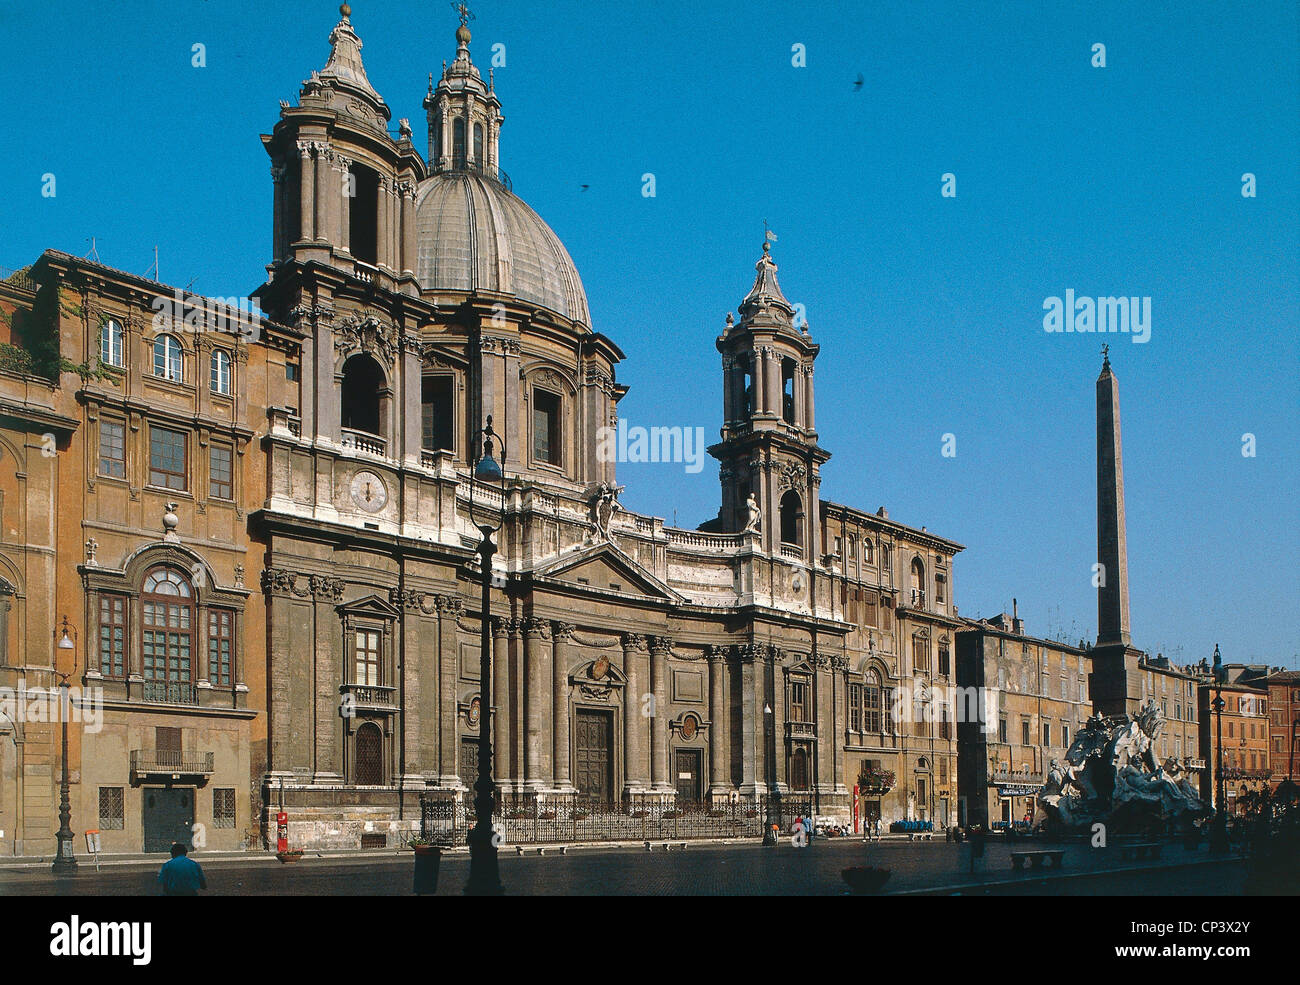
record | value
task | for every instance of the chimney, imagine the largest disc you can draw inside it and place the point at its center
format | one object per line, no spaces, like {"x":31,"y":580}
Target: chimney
{"x":1017,"y":626}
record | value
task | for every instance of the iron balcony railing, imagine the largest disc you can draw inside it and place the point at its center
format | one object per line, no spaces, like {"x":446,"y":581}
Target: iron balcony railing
{"x":171,"y":761}
{"x":170,"y":693}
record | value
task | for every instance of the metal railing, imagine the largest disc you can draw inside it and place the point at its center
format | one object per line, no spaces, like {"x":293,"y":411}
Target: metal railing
{"x":171,"y":761}
{"x":371,"y":695}
{"x":170,"y":693}
{"x":558,"y":819}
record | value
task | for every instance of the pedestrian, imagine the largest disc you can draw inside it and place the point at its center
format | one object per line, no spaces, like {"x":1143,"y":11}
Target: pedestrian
{"x":182,"y":876}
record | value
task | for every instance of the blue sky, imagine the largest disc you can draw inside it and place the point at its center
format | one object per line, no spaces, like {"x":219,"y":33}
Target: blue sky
{"x":1123,"y":180}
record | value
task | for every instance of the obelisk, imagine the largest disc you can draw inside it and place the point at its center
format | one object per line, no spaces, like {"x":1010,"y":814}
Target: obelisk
{"x":1115,"y":686}
{"x":1112,"y":545}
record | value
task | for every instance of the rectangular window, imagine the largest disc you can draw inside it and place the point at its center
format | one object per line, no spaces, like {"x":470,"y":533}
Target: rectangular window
{"x":221,"y":471}
{"x":291,"y":372}
{"x":546,"y":427}
{"x":871,"y":720}
{"x":368,"y":657}
{"x":944,"y":661}
{"x":939,"y":588}
{"x":112,"y":808}
{"x":887,"y":713}
{"x":1065,"y":735}
{"x":869,"y":608}
{"x":112,"y":448}
{"x":167,"y":457}
{"x":798,"y":701}
{"x":437,"y":417}
{"x":1047,"y":733}
{"x":1002,"y":730}
{"x":1024,"y":732}
{"x":920,"y":655}
{"x":220,"y":646}
{"x":943,"y":724}
{"x":855,"y":708}
{"x":112,"y":635}
{"x":223,"y":807}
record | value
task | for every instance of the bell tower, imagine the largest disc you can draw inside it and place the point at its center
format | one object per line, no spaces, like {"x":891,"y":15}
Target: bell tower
{"x":769,"y":438}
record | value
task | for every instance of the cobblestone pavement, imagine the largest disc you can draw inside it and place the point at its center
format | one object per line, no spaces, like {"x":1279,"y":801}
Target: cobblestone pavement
{"x":699,"y":870}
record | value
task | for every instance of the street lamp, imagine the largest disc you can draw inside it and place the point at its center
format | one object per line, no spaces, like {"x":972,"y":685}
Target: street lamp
{"x":1219,"y":837}
{"x":484,"y":874}
{"x":65,"y":862}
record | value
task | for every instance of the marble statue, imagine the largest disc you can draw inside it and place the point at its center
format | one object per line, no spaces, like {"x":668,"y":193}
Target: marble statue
{"x":755,"y":515}
{"x":1111,"y":775}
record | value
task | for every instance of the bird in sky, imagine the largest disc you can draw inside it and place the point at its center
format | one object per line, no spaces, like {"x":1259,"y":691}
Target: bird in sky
{"x":858,"y":83}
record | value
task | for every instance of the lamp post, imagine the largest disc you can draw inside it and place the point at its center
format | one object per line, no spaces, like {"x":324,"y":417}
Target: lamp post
{"x":484,"y":874}
{"x":769,"y":828}
{"x":65,"y":862}
{"x":1219,"y":837}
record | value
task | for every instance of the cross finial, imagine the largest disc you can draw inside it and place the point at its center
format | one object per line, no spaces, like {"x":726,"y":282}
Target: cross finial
{"x":465,"y":15}
{"x":1105,"y":355}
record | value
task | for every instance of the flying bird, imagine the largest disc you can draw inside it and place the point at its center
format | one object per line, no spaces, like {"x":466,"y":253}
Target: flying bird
{"x":858,"y":83}
{"x":585,"y":187}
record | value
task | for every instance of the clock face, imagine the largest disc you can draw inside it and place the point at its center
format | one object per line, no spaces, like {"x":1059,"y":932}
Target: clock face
{"x":369,"y":492}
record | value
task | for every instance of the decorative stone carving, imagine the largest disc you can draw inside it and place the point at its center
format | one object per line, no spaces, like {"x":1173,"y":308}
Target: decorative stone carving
{"x":239,"y":576}
{"x":754,"y":522}
{"x":562,"y":631}
{"x":91,"y":548}
{"x":634,"y":641}
{"x":791,"y":475}
{"x":1111,"y":776}
{"x":326,"y":588}
{"x":537,"y":628}
{"x":365,"y":333}
{"x":170,"y":522}
{"x":601,"y":507}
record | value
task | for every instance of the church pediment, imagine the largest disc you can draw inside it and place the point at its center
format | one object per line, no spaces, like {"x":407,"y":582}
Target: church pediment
{"x":604,"y":568}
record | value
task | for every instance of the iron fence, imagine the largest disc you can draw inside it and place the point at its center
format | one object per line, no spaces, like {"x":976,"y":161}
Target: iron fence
{"x":527,"y":819}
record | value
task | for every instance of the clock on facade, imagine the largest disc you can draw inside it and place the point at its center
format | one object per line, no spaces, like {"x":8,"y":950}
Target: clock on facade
{"x":369,"y":492}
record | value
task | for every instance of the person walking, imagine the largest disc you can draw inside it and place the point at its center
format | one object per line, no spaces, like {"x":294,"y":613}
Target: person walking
{"x":181,"y":876}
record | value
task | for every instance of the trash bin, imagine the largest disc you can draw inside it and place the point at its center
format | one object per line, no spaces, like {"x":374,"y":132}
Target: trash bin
{"x":427,"y":860}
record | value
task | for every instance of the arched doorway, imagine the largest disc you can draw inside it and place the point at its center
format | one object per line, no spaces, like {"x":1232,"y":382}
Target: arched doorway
{"x":369,"y":769}
{"x":799,"y":769}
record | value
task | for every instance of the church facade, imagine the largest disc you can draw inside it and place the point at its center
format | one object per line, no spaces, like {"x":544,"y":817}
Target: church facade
{"x":263,"y":535}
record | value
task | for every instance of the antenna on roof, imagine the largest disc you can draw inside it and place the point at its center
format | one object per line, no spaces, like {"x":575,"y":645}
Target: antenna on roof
{"x":190,"y":285}
{"x":94,"y":253}
{"x":154,"y":268}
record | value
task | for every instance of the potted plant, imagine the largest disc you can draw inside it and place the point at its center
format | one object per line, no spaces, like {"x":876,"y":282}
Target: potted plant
{"x":289,"y":855}
{"x":428,"y":858}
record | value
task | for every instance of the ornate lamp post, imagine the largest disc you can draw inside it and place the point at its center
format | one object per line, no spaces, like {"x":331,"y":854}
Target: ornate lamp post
{"x":65,"y":862}
{"x":484,"y":875}
{"x":1219,"y":837}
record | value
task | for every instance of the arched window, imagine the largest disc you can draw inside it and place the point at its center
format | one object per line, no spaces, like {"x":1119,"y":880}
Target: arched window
{"x":363,"y":214}
{"x":791,"y":517}
{"x":918,"y":582}
{"x":370,"y":756}
{"x":747,"y":372}
{"x":110,"y":343}
{"x":167,"y":358}
{"x":478,"y":144}
{"x":363,"y":381}
{"x":167,"y":634}
{"x":868,"y":551}
{"x":221,"y":372}
{"x":458,"y":142}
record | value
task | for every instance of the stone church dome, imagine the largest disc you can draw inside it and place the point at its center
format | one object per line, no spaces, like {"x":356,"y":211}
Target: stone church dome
{"x":473,"y":234}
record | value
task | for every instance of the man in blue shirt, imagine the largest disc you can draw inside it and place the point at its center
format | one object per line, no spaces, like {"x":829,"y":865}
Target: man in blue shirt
{"x":182,"y":876}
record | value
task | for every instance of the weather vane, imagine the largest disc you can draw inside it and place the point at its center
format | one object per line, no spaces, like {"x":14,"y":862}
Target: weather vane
{"x":465,"y":15}
{"x":1105,"y":352}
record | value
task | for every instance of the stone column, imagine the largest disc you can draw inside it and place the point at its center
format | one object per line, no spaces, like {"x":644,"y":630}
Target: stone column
{"x":660,"y":647}
{"x":719,"y":730}
{"x":635,"y":773}
{"x":449,"y":610}
{"x":537,"y":703}
{"x":327,"y":592}
{"x":773,"y":380}
{"x":775,"y":673}
{"x":561,"y":634}
{"x":346,"y":192}
{"x":408,"y":229}
{"x":810,"y":416}
{"x":306,"y":191}
{"x":278,"y":237}
{"x":503,"y":764}
{"x":752,"y":750}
